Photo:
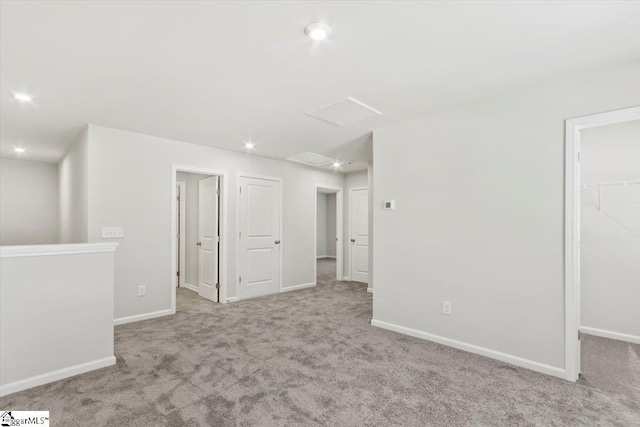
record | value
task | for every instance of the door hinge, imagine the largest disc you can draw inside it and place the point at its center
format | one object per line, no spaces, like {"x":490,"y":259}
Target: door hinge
{"x":178,"y":273}
{"x":578,"y":157}
{"x":218,"y":239}
{"x":240,"y":279}
{"x":218,"y":191}
{"x":240,"y":234}
{"x":241,"y":189}
{"x":217,"y":285}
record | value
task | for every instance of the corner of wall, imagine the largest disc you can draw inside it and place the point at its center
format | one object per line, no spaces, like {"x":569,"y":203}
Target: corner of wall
{"x":73,"y":191}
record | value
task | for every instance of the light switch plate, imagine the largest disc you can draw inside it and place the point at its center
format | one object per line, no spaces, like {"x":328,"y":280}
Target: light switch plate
{"x":112,"y":232}
{"x":446,"y":308}
{"x":390,"y":205}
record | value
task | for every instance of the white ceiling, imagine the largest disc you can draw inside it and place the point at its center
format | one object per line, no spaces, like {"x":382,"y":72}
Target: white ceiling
{"x":221,"y":73}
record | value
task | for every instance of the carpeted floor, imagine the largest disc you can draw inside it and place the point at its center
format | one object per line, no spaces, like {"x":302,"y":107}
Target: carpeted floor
{"x":326,"y":270}
{"x":310,"y":358}
{"x":611,"y":366}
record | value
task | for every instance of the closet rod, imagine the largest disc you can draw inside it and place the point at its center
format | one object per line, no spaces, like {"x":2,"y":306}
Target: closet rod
{"x":634,"y":182}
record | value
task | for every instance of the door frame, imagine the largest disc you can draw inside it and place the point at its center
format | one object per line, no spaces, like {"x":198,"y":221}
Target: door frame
{"x":351,"y":190}
{"x":572,"y":227}
{"x":182,"y":232}
{"x":339,"y":231}
{"x":175,"y":168}
{"x":283,"y":241}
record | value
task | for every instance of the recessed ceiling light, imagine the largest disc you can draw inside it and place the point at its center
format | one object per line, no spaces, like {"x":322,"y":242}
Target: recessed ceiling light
{"x":318,"y":31}
{"x":19,"y":150}
{"x":249,"y":145}
{"x":336,"y":165}
{"x":22,"y":97}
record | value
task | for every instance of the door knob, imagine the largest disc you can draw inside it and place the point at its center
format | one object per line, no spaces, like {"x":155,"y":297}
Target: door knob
{"x":353,"y":240}
{"x":199,"y":244}
{"x":277,"y":242}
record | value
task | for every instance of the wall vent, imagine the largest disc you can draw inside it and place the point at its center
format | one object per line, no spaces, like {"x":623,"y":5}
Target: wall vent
{"x":311,"y":159}
{"x":345,"y":112}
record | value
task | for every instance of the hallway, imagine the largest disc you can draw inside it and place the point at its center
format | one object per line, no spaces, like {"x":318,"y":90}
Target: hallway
{"x":326,"y":270}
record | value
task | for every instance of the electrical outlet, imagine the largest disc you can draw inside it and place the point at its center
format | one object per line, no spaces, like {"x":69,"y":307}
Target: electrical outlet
{"x":112,"y":232}
{"x":142,"y":290}
{"x":446,"y":308}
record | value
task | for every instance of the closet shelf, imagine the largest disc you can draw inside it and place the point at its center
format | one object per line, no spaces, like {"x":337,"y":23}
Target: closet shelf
{"x":632,"y":183}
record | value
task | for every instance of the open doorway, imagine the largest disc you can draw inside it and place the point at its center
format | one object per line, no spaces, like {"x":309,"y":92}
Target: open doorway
{"x":603,"y":250}
{"x":329,"y":263}
{"x":196,"y":247}
{"x":610,"y":254}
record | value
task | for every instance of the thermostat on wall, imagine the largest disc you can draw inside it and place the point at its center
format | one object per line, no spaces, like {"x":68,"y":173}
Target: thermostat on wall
{"x":390,"y":205}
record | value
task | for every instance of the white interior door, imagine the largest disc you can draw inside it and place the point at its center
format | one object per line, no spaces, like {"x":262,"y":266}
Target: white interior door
{"x":181,"y":225}
{"x":260,"y":248}
{"x":208,"y":237}
{"x":359,"y":230}
{"x":578,"y":258}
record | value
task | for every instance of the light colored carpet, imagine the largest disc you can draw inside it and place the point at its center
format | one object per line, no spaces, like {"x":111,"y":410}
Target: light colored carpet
{"x":326,"y":270}
{"x":612,"y":366}
{"x":310,"y":358}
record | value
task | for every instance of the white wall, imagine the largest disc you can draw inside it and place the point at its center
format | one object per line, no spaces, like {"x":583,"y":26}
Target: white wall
{"x":192,"y":253}
{"x":331,"y":225}
{"x":130,"y":186}
{"x":73,"y":175}
{"x":321,"y":225}
{"x":56,"y":313}
{"x":351,"y":180}
{"x":480,"y":219}
{"x":28,"y":202}
{"x":610,"y":238}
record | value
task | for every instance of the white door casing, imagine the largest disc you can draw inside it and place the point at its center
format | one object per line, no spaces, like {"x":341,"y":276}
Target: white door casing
{"x":208,"y":237}
{"x":572,"y":227}
{"x":359,"y":230}
{"x":260,"y":236}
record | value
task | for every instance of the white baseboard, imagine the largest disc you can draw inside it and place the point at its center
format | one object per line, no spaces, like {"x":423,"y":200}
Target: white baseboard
{"x":194,"y":288}
{"x":346,"y":279}
{"x":139,"y":317}
{"x":471,"y":348}
{"x":326,"y":256}
{"x":370,"y":290}
{"x":609,"y":334}
{"x":296,"y":287}
{"x":233,"y":299}
{"x":60,"y":374}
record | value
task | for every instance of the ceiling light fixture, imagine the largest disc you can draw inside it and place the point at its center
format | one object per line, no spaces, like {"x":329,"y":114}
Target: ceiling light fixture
{"x":318,"y":31}
{"x":249,"y":145}
{"x":336,"y":165}
{"x":22,"y":97}
{"x":19,"y":150}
